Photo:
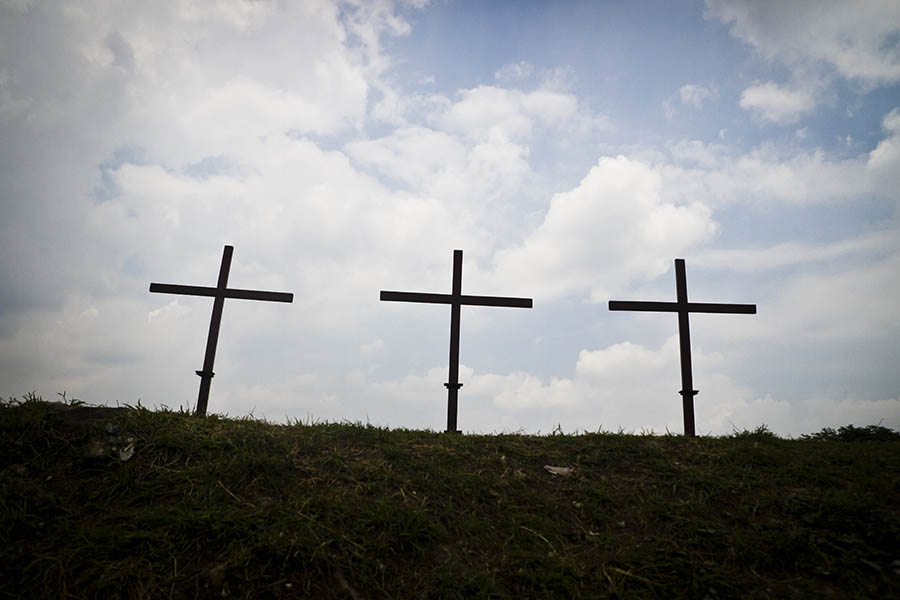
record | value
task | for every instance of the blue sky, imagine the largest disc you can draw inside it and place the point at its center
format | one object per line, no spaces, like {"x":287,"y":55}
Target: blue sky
{"x":573,"y":150}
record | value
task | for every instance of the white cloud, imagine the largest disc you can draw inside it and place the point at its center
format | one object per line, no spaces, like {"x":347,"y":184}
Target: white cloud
{"x":857,"y":39}
{"x":514,"y":71}
{"x":172,"y":310}
{"x":184,"y":81}
{"x":445,"y":170}
{"x":846,"y":293}
{"x":626,"y":360}
{"x":772,"y":173}
{"x":276,"y":400}
{"x":559,"y":79}
{"x":707,"y":156}
{"x":208,"y":123}
{"x":776,"y":103}
{"x":300,"y":201}
{"x":487,"y":110}
{"x":617,"y":212}
{"x":475,"y":154}
{"x":243,"y":108}
{"x":638,"y":387}
{"x":835,"y":412}
{"x":796,"y":253}
{"x":368,"y":23}
{"x":695,"y":95}
{"x":690,"y":94}
{"x":518,"y":391}
{"x":372,"y":347}
{"x":853,"y":304}
{"x":417,"y":156}
{"x":885,"y":157}
{"x":622,"y":386}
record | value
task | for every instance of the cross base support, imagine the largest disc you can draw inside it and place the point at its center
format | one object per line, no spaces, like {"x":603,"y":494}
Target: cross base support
{"x":687,"y":406}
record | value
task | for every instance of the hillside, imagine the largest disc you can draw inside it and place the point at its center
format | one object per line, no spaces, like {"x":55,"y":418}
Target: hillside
{"x":132,"y":503}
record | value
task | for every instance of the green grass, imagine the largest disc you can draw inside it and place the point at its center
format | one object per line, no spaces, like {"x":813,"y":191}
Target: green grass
{"x":240,"y":508}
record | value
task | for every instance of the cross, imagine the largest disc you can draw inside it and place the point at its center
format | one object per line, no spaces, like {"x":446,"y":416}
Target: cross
{"x":683,"y":308}
{"x":455,"y":300}
{"x":220,"y":292}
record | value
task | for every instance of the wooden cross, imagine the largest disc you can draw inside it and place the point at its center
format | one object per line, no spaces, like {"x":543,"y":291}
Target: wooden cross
{"x":220,"y":292}
{"x":455,"y":300}
{"x":683,"y":307}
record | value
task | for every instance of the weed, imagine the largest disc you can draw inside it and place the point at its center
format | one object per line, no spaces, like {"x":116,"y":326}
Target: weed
{"x":849,"y":433}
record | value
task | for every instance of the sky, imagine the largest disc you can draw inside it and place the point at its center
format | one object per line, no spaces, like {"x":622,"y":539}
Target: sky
{"x":572,"y":150}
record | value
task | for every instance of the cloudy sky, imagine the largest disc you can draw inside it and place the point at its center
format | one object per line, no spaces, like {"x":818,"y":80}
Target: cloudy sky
{"x":573,"y":150}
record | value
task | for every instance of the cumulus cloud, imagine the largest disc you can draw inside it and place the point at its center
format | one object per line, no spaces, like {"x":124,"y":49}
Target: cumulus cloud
{"x":414,"y":155}
{"x":275,"y":400}
{"x":697,"y":152}
{"x":626,"y":386}
{"x":621,"y":386}
{"x":517,"y":391}
{"x":475,"y":152}
{"x":886,"y":155}
{"x":839,"y":295}
{"x":695,"y":95}
{"x":440,"y":165}
{"x":797,"y":253}
{"x":776,"y":103}
{"x":817,"y":41}
{"x":141,"y":141}
{"x":856,"y":39}
{"x":691,"y":95}
{"x":618,"y":213}
{"x":772,"y":173}
{"x":805,"y":177}
{"x":837,"y":306}
{"x":221,"y":154}
{"x":487,"y":110}
{"x":514,"y":71}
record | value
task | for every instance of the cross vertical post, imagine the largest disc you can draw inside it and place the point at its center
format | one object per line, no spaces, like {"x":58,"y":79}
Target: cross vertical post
{"x":212,"y":340}
{"x":218,"y":293}
{"x":684,"y":308}
{"x":455,"y":299}
{"x":684,"y":340}
{"x":453,"y":384}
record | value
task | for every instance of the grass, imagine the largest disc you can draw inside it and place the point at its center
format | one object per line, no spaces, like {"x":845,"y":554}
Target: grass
{"x":240,"y":508}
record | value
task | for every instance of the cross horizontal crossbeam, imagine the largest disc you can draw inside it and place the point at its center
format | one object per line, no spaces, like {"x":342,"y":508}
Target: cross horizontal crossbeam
{"x":699,"y":307}
{"x":684,"y":308}
{"x":219,"y":293}
{"x":461,"y":299}
{"x":455,"y":300}
{"x":195,"y":290}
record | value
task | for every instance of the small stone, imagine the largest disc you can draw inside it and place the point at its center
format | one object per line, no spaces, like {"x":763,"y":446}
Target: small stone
{"x":564,"y":471}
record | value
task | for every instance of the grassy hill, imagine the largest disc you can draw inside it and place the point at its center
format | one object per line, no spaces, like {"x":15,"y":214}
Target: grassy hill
{"x":131,"y":503}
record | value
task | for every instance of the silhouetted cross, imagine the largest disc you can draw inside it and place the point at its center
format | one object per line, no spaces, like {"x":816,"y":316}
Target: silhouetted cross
{"x":683,"y":307}
{"x":455,"y":300}
{"x":220,"y":292}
